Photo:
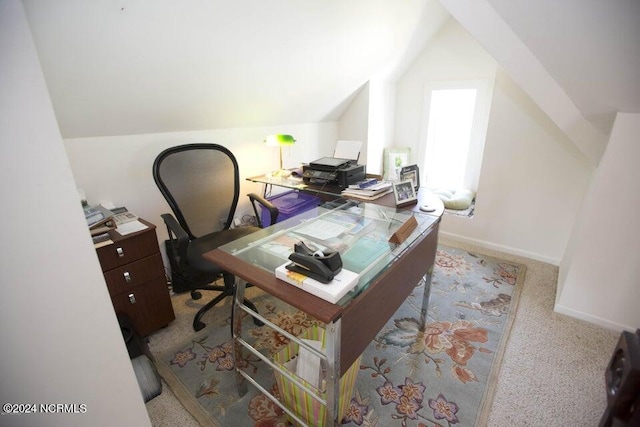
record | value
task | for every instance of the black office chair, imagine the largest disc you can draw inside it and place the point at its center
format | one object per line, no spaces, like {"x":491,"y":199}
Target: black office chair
{"x":201,"y":183}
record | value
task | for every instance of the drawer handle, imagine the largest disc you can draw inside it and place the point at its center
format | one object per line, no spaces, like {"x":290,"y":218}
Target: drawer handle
{"x":127,"y":277}
{"x":120,"y":252}
{"x":132,"y":298}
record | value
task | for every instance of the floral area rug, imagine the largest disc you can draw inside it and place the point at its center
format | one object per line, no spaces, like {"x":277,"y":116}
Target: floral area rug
{"x":442,"y":375}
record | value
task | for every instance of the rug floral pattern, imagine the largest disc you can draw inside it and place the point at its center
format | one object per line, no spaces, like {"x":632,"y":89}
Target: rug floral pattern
{"x":409,"y":376}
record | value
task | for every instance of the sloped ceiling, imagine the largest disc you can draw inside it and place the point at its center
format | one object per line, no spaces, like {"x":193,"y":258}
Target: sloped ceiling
{"x":590,"y":47}
{"x":117,"y":67}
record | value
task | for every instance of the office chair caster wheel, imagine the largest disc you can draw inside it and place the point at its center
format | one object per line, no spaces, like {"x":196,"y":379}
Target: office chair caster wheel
{"x":197,"y":326}
{"x":196,"y":295}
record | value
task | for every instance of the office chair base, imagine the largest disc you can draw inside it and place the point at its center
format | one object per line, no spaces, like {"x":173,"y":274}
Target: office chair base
{"x":197,"y":326}
{"x":254,"y":308}
{"x":197,"y":320}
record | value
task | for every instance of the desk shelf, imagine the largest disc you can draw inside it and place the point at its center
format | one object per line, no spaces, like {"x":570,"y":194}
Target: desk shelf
{"x":329,"y":193}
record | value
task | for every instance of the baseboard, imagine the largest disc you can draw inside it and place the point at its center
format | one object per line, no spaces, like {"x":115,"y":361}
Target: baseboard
{"x":500,"y":248}
{"x":592,"y":319}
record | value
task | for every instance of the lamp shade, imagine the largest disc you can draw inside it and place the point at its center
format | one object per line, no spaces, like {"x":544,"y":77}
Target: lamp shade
{"x":279,"y":140}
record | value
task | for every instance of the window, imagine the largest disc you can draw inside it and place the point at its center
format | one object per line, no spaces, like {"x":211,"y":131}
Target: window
{"x":453,"y":133}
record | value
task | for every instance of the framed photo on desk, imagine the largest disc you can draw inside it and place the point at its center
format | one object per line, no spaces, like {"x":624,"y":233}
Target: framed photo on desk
{"x":411,"y":173}
{"x":404,"y":193}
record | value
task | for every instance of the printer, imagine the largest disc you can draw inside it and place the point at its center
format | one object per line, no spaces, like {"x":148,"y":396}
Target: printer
{"x":334,"y":172}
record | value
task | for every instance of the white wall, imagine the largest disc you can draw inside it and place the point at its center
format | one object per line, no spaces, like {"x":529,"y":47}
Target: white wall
{"x":380,"y":120}
{"x":118,"y":168}
{"x":451,"y":55}
{"x":532,"y":179}
{"x":493,"y":33}
{"x":374,"y":116}
{"x":596,"y":39}
{"x":122,"y":68}
{"x":354,"y":123}
{"x":370,"y":119}
{"x":600,"y":274}
{"x":590,"y":288}
{"x":60,"y":339}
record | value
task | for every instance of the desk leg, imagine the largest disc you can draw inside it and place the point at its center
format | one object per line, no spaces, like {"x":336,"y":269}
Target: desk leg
{"x":236,"y":328}
{"x":425,"y":298}
{"x":427,"y":282}
{"x":333,"y":372}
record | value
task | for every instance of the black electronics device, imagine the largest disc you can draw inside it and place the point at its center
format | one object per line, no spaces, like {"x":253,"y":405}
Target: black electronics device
{"x":622,"y":379}
{"x":321,"y":266}
{"x":333,"y":171}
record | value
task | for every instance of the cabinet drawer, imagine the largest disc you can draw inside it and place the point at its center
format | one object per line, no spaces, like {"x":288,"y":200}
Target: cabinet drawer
{"x":125,"y":278}
{"x":124,"y":251}
{"x":148,"y":306}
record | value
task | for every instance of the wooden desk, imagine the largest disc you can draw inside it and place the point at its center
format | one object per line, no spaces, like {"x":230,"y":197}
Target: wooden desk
{"x":350,"y":327}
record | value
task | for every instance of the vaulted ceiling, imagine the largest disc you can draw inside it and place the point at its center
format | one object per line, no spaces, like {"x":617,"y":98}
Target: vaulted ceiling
{"x":117,"y":67}
{"x":138,"y":66}
{"x":590,"y":47}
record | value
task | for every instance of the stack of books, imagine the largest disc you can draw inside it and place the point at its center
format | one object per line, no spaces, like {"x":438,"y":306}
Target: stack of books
{"x":369,"y":189}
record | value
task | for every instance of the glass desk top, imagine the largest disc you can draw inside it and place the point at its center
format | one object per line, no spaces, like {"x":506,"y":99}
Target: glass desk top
{"x":360,"y":233}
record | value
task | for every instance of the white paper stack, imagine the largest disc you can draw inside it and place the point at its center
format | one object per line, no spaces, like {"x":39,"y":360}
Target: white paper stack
{"x":370,"y":192}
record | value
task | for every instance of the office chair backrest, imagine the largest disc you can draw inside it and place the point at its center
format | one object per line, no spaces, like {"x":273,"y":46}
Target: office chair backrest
{"x":201,"y":184}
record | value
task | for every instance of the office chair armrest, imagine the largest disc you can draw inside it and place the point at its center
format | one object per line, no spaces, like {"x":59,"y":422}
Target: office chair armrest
{"x":177,"y":233}
{"x":273,"y":211}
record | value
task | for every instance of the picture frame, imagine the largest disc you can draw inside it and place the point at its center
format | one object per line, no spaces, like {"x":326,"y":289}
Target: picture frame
{"x":404,"y":193}
{"x":411,"y":172}
{"x":393,"y":161}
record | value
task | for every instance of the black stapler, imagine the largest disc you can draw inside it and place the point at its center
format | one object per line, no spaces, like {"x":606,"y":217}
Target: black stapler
{"x":321,"y":266}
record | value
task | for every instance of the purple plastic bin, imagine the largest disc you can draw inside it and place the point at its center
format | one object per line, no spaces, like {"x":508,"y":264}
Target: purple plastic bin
{"x":289,"y":204}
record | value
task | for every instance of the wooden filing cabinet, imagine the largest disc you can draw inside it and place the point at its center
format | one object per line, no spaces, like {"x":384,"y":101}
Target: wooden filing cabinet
{"x":133,"y":269}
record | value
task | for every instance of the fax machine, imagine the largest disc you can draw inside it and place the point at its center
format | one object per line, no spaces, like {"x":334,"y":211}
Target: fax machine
{"x":333,"y":171}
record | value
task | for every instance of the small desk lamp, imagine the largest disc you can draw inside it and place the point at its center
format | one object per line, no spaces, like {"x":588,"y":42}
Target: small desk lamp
{"x":280,"y":140}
